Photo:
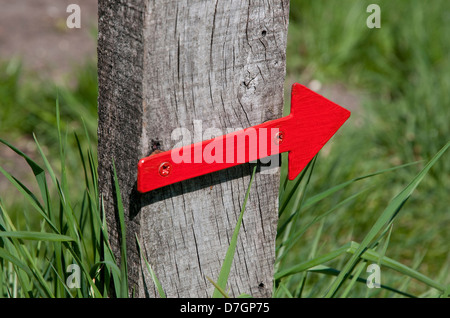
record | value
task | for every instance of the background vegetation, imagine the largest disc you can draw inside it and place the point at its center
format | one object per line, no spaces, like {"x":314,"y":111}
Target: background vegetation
{"x":351,"y":207}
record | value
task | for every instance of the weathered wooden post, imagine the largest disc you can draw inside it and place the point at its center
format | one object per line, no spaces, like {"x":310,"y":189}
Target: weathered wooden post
{"x":170,"y":64}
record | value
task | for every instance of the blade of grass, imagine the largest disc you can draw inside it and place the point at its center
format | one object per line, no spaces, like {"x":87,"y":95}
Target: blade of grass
{"x":318,"y":197}
{"x":6,"y":255}
{"x":62,"y":148}
{"x":30,"y":197}
{"x":354,"y":278}
{"x":293,"y":238}
{"x":386,"y":217}
{"x":373,"y":256}
{"x":58,"y":249}
{"x":36,"y":236}
{"x":46,"y":162}
{"x":316,"y":265}
{"x":334,"y":272}
{"x":71,"y":222}
{"x":296,"y":197}
{"x":107,"y":253}
{"x":11,"y":254}
{"x":58,"y":270}
{"x":97,"y":266}
{"x":42,"y":285}
{"x":406,"y":282}
{"x":291,"y":188}
{"x":218,"y":288}
{"x":311,"y":255}
{"x":311,"y":263}
{"x":297,"y":201}
{"x":228,"y":261}
{"x":61,"y":281}
{"x":286,"y":290}
{"x":123,"y":247}
{"x":38,"y":172}
{"x":152,"y":273}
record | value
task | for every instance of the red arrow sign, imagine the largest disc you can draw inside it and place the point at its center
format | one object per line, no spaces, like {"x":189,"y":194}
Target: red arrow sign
{"x":312,"y":122}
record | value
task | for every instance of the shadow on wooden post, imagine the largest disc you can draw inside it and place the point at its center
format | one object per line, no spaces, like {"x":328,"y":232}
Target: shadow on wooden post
{"x":163,"y":65}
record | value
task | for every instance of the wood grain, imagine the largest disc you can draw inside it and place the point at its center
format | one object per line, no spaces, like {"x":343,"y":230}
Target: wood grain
{"x":120,"y":73}
{"x":166,"y":64}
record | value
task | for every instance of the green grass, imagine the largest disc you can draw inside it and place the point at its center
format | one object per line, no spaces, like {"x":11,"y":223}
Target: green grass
{"x":377,"y":193}
{"x":402,"y":72}
{"x":28,"y":102}
{"x":34,"y":262}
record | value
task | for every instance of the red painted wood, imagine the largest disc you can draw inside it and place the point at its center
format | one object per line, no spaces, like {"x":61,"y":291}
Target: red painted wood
{"x":312,"y":122}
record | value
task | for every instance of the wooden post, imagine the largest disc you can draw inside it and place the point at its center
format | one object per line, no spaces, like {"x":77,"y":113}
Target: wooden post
{"x":170,"y":64}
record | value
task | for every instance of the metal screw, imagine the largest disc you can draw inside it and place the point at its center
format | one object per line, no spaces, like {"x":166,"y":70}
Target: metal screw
{"x":278,"y":138}
{"x":164,"y":169}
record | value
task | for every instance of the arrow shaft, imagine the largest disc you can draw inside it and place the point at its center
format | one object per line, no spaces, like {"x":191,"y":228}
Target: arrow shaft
{"x":312,"y":122}
{"x":212,"y":155}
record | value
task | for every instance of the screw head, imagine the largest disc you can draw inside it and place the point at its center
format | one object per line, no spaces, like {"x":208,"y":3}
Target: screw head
{"x":278,"y":139}
{"x":164,"y":169}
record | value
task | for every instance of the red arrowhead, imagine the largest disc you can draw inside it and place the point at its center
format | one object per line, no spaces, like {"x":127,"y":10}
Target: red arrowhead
{"x":312,"y":122}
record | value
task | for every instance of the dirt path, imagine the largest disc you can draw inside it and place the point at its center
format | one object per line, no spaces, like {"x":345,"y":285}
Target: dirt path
{"x":36,"y":32}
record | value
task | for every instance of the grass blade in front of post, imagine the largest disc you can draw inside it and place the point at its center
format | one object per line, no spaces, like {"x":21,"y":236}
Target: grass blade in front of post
{"x":122,"y":291}
{"x":152,"y":273}
{"x":228,"y":261}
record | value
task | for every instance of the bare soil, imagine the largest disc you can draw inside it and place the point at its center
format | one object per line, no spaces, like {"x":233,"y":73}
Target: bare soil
{"x":36,"y":32}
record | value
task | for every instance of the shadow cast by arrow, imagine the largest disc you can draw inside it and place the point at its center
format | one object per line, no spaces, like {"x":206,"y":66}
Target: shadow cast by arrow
{"x":141,"y":200}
